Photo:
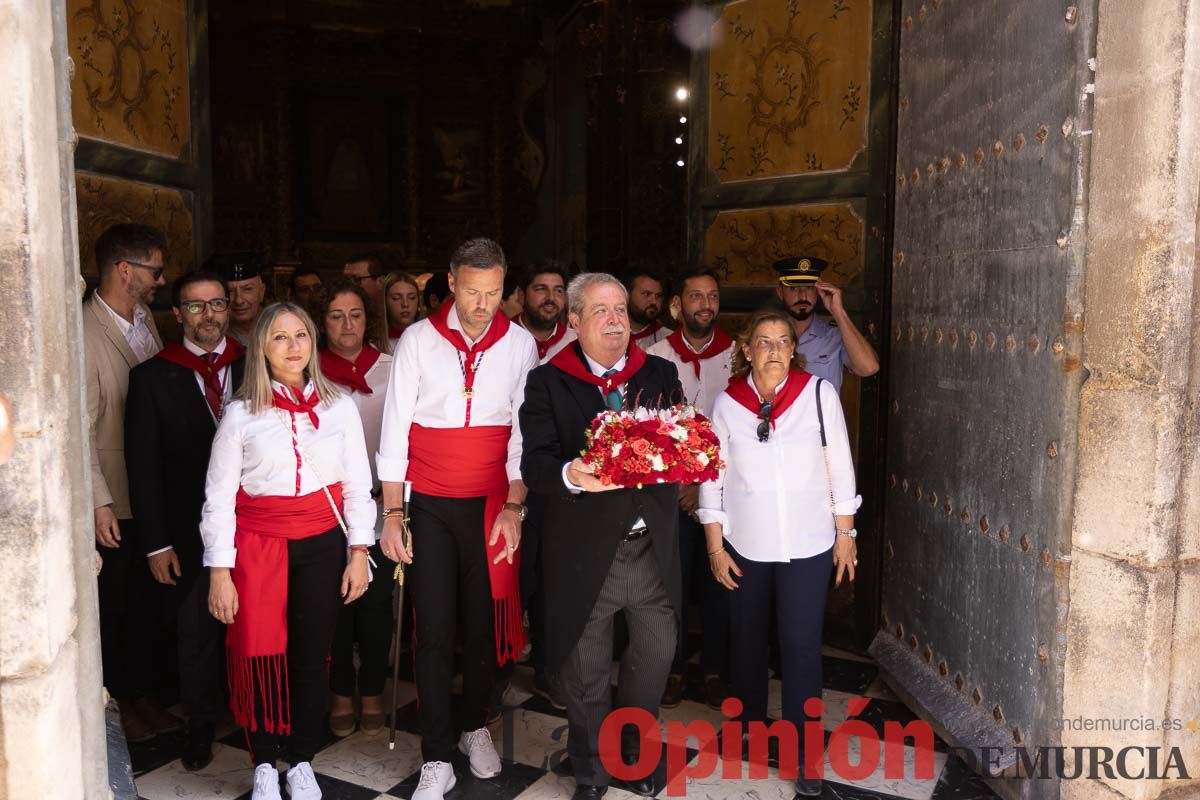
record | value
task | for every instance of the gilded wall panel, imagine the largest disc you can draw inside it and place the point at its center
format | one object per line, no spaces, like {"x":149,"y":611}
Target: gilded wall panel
{"x":105,"y":201}
{"x":131,"y":73}
{"x":788,"y":87}
{"x":742,"y":244}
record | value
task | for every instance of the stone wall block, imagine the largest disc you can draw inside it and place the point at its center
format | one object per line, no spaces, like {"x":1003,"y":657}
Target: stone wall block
{"x":1119,"y":643}
{"x":1131,"y":441}
{"x":44,"y":761}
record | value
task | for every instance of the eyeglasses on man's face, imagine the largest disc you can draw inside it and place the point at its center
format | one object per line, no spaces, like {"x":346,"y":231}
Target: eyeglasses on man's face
{"x":155,"y":272}
{"x":764,"y":425}
{"x":217,"y":304}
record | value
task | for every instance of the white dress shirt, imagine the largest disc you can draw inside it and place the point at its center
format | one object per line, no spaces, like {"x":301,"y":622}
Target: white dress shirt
{"x":644,"y":340}
{"x":222,"y":373}
{"x":426,"y":387}
{"x":714,"y":373}
{"x":137,"y":333}
{"x":772,"y":499}
{"x":255,"y":452}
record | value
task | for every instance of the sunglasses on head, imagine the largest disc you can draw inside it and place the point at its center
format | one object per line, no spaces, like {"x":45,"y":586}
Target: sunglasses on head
{"x":764,"y":425}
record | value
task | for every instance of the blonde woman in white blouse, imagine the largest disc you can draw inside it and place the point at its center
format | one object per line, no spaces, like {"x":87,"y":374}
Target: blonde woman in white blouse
{"x":780,"y":516}
{"x":289,"y":469}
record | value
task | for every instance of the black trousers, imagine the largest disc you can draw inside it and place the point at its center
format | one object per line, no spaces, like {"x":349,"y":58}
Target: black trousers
{"x":450,"y":583}
{"x":315,"y":567}
{"x":128,"y":623}
{"x":368,"y":623}
{"x":714,"y":603}
{"x":533,"y":596}
{"x":200,"y":643}
{"x":800,"y":587}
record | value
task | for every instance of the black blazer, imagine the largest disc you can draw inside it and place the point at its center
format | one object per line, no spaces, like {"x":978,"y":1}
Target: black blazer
{"x":168,"y":438}
{"x":581,"y":532}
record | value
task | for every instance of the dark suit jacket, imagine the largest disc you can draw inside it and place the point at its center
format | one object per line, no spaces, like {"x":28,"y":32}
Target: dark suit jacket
{"x":168,"y":437}
{"x":581,"y":532}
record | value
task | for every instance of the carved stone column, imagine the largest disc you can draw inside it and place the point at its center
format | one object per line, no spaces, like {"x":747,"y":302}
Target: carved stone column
{"x":52,"y":734}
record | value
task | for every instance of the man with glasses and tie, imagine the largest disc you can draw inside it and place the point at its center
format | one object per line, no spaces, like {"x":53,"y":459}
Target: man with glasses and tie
{"x":175,"y":402}
{"x":118,"y":334}
{"x":606,"y":550}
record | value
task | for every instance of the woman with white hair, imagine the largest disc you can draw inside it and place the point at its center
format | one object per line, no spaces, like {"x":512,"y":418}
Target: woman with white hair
{"x":287,"y":521}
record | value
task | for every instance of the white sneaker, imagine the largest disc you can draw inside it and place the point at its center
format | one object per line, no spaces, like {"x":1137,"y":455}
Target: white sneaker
{"x":302,"y":784}
{"x":437,"y":778}
{"x":478,"y":748}
{"x":266,"y":783}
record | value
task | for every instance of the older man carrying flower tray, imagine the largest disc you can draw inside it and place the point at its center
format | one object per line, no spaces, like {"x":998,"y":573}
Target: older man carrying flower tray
{"x":607,"y":549}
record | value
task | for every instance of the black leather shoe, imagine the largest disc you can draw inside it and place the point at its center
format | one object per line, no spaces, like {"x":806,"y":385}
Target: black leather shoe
{"x":197,"y":753}
{"x":584,"y":792}
{"x":643,"y":788}
{"x":808,"y":787}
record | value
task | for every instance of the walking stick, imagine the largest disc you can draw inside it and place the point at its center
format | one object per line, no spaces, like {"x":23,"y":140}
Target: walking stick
{"x":398,"y":612}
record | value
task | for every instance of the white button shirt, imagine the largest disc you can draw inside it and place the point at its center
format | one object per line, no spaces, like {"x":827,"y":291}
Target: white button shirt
{"x":255,"y":452}
{"x":137,"y":333}
{"x":714,"y":373}
{"x":426,"y":387}
{"x":772,"y":500}
{"x":222,"y":374}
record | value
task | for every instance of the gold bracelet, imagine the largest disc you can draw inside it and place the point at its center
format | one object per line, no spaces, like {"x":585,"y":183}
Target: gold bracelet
{"x":712,"y":553}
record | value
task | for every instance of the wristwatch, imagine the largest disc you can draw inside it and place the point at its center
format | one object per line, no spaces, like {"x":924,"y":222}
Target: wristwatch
{"x":522,"y":510}
{"x":852,"y":533}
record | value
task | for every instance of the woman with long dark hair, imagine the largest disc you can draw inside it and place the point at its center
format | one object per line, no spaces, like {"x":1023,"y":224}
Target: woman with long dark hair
{"x":287,"y":521}
{"x":362,"y":372}
{"x":780,"y":517}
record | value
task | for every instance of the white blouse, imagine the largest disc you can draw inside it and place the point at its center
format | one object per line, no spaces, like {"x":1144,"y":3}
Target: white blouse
{"x":370,"y":406}
{"x":714,"y":373}
{"x":255,"y":452}
{"x":427,"y":388}
{"x":772,"y":498}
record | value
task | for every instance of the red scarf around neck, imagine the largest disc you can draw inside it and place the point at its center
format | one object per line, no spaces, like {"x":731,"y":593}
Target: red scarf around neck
{"x":571,"y":362}
{"x":351,"y":374}
{"x":544,"y":345}
{"x":300,"y":405}
{"x":394,"y":332}
{"x":209,"y":372}
{"x":178,"y":354}
{"x":739,"y":389}
{"x":719,"y":344}
{"x":649,"y":331}
{"x":494,"y":333}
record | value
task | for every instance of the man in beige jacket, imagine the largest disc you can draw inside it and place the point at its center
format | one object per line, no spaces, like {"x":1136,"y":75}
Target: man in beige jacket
{"x":118,"y":334}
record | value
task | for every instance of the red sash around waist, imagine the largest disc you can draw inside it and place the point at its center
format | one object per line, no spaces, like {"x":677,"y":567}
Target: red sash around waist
{"x":470,"y":462}
{"x":257,"y":639}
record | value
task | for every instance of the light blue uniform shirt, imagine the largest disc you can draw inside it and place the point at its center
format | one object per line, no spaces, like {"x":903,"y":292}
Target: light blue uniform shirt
{"x":824,"y":352}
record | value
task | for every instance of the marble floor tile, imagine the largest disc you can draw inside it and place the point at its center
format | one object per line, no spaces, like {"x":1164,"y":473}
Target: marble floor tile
{"x":366,"y":760}
{"x":909,"y":787}
{"x":561,"y":787}
{"x":511,"y":782}
{"x":531,"y":738}
{"x":230,"y":775}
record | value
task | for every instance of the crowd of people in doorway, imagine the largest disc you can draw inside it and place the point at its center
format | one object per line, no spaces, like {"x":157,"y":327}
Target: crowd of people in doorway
{"x":257,"y":482}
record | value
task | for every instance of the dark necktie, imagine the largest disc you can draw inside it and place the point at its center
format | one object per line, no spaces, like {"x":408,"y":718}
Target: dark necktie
{"x":612,"y":397}
{"x":212,"y":385}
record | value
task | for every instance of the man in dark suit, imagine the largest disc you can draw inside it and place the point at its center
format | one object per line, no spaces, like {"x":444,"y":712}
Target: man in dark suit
{"x":604,"y":550}
{"x":175,"y":403}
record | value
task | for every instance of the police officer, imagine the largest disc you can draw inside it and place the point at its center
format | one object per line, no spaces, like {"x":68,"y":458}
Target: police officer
{"x":827,"y":345}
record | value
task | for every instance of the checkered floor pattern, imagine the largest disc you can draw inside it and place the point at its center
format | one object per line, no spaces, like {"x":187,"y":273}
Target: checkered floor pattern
{"x":531,"y":738}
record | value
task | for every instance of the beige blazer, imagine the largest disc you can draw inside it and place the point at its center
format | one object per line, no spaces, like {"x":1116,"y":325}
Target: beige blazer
{"x":107,"y":359}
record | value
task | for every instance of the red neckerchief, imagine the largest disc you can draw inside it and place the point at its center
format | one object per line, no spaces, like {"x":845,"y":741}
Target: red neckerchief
{"x":394,"y":332}
{"x":719,"y":344}
{"x":739,"y":389}
{"x":208,"y":371}
{"x":571,"y":362}
{"x":648,"y":331}
{"x":351,"y":374}
{"x":494,"y":333}
{"x":304,"y":405}
{"x":543,"y":346}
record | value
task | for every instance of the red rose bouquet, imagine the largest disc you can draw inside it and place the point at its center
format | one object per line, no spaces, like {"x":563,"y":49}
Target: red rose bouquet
{"x":641,"y":446}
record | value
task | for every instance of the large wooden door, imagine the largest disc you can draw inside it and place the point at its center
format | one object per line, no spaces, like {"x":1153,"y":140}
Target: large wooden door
{"x":790,"y":132}
{"x":139,"y":103}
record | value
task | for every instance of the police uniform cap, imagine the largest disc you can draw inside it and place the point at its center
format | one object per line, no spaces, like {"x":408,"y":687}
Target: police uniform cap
{"x":236,"y":266}
{"x":799,"y":270}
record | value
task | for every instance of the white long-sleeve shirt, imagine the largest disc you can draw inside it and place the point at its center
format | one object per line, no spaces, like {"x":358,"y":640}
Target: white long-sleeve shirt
{"x":772,"y":499}
{"x":255,"y":452}
{"x":426,"y":387}
{"x":714,"y":373}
